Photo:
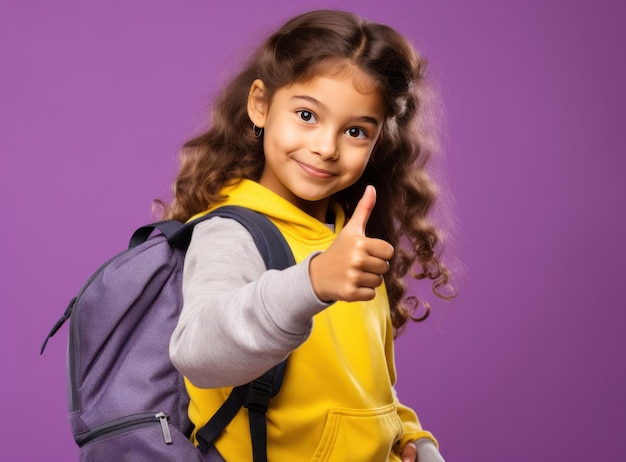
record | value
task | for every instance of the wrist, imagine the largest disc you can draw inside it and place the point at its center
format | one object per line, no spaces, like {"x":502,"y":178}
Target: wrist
{"x":316,"y":272}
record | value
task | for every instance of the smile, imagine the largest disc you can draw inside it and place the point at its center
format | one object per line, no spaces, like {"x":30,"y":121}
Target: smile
{"x":315,"y":172}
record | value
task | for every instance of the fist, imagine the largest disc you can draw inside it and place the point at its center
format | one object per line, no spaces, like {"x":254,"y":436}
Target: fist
{"x":354,"y":265}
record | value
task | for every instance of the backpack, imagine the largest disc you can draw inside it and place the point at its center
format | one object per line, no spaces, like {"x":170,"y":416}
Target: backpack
{"x":127,"y":402}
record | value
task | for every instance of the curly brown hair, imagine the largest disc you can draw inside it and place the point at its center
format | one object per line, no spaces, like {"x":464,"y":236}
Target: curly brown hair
{"x":305,"y":46}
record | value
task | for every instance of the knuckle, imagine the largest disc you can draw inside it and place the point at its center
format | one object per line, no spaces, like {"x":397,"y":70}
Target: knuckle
{"x":360,"y":243}
{"x":358,"y":260}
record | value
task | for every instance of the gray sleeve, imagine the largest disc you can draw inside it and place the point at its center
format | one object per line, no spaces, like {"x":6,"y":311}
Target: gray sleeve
{"x":427,"y":451}
{"x":238,"y":320}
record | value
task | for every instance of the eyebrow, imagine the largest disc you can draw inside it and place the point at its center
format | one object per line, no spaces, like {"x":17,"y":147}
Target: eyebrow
{"x":310,"y":99}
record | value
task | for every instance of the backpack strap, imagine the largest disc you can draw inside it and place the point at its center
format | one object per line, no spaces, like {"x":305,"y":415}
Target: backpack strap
{"x":269,"y":241}
{"x":168,"y":228}
{"x":257,"y":399}
{"x":256,"y":395}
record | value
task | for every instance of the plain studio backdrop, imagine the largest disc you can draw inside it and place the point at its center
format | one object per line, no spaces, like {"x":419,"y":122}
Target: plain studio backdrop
{"x":526,"y":365}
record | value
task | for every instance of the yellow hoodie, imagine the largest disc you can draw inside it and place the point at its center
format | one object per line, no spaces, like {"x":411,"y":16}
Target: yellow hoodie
{"x":337,"y":401}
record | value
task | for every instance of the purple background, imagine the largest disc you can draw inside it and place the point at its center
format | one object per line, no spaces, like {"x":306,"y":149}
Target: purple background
{"x":528,"y":362}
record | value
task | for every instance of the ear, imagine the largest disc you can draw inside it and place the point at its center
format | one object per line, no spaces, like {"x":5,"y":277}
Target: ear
{"x":257,"y":103}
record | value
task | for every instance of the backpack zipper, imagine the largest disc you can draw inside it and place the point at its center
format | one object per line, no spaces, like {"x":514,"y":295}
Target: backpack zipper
{"x":125,"y":424}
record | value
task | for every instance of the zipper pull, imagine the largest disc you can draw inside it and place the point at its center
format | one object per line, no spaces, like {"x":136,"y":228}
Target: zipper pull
{"x":164,"y":419}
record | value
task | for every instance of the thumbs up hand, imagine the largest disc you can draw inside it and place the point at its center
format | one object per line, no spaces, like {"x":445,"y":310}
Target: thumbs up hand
{"x":353,"y":266}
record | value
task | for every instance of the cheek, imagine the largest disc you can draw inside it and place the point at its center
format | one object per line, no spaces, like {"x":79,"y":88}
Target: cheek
{"x":355,"y":166}
{"x":283,"y":136}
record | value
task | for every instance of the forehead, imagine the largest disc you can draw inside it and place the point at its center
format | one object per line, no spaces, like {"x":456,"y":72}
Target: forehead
{"x":345,"y":69}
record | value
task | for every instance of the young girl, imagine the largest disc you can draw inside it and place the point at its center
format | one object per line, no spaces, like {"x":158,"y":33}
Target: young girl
{"x":320,"y":131}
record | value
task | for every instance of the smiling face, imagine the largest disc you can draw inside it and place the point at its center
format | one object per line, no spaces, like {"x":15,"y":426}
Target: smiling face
{"x":318,"y":135}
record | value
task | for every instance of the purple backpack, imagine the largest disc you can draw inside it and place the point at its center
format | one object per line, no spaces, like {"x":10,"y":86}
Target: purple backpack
{"x":127,"y":402}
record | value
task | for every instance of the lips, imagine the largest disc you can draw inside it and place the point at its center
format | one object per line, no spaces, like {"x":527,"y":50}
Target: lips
{"x":314,"y":171}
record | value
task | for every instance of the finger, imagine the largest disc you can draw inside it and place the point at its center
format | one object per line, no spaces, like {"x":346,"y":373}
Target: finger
{"x":363,"y":210}
{"x":362,"y":294}
{"x":369,"y":280}
{"x":382,"y":267}
{"x":409,"y":453}
{"x":380,"y":249}
{"x":374,"y":265}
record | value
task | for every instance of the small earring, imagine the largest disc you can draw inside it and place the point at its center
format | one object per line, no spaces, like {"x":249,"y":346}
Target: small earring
{"x":258,"y":131}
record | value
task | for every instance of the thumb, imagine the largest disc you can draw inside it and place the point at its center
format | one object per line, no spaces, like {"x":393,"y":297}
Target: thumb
{"x":363,"y":210}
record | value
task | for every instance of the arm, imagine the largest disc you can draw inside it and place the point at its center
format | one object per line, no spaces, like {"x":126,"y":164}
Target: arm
{"x":427,"y":451}
{"x":238,"y":320}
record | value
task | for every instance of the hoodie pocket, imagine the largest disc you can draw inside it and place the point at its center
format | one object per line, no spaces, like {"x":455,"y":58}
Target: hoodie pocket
{"x":359,"y":435}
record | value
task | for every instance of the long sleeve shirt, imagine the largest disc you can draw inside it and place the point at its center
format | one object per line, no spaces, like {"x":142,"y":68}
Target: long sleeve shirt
{"x":337,"y":402}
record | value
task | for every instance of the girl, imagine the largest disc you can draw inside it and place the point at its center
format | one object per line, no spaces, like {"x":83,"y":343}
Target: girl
{"x":320,"y":131}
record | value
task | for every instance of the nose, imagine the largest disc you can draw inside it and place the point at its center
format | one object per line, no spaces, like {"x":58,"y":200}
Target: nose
{"x":325,"y":145}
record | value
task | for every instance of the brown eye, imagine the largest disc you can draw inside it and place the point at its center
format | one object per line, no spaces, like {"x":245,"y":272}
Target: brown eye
{"x":307,"y":116}
{"x":356,"y":132}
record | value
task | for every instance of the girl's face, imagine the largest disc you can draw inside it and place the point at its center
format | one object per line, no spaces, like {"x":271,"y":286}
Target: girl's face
{"x":318,"y":135}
